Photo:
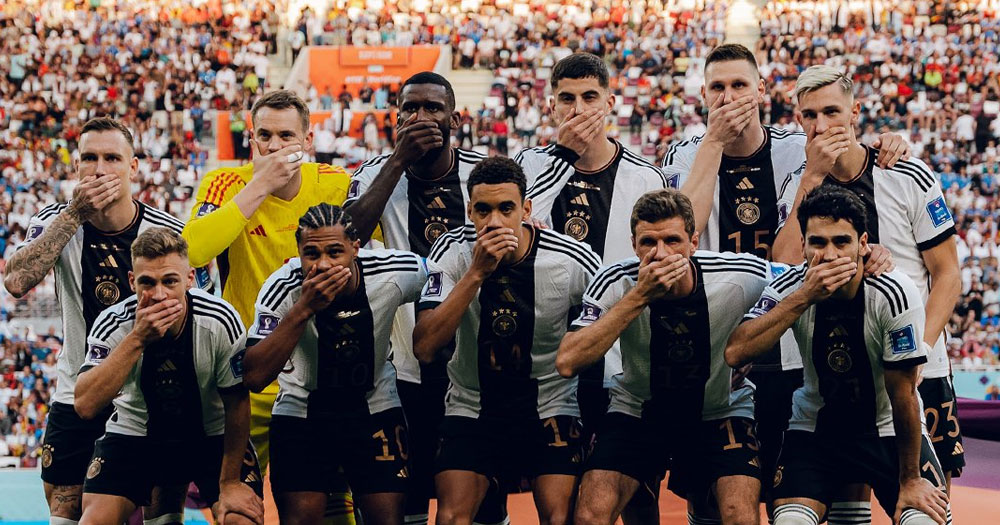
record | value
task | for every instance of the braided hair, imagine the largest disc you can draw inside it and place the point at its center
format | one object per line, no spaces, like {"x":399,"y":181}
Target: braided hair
{"x":323,"y":215}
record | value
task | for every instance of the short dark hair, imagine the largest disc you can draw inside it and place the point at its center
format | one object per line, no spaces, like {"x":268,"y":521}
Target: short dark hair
{"x":323,"y":215}
{"x":429,"y":77}
{"x":581,"y":65}
{"x":728,"y":52}
{"x":157,"y":242}
{"x":108,"y":124}
{"x":498,"y":170}
{"x":658,"y":205}
{"x":282,"y":99}
{"x":835,"y":203}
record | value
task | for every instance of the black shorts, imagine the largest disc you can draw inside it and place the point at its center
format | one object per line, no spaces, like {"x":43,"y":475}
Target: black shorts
{"x":423,"y":404}
{"x":941,"y":415}
{"x":697,"y":456}
{"x":594,"y":399}
{"x":817,"y":467}
{"x":130,"y":466}
{"x":306,"y":454}
{"x":506,"y":451}
{"x":68,"y":444}
{"x":772,"y":410}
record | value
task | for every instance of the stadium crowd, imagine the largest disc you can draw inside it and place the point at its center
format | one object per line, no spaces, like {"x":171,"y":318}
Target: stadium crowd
{"x":164,"y":71}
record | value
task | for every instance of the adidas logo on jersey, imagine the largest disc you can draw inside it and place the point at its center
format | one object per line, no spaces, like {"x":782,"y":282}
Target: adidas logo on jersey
{"x":109,"y":262}
{"x":259,"y":230}
{"x":167,"y":366}
{"x":580,"y":200}
{"x":959,"y":449}
{"x":436,"y":204}
{"x":839,"y":331}
{"x":403,"y":473}
{"x":745,"y":184}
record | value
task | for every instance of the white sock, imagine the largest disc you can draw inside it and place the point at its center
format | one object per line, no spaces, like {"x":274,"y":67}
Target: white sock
{"x":702,"y":520}
{"x":850,"y":513}
{"x":915,"y":517}
{"x":795,"y":514}
{"x":165,"y":519}
{"x":56,"y":520}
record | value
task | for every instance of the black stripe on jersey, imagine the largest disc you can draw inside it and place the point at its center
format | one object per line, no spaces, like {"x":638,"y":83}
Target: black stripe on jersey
{"x":549,"y":178}
{"x":925,"y":179}
{"x":218,"y":310}
{"x":51,"y":210}
{"x":110,"y":323}
{"x":788,"y":279}
{"x":895,"y":284}
{"x":728,"y":266}
{"x":371,"y":162}
{"x":390,"y":257}
{"x":281,"y":288}
{"x":446,"y":240}
{"x":895,"y":303}
{"x":601,"y":284}
{"x":632,"y":158}
{"x":545,"y":150}
{"x":741,"y":261}
{"x":577,"y":250}
{"x":175,"y":225}
{"x":788,"y":180}
{"x":938,"y":239}
{"x":668,"y":159}
{"x":469,"y":156}
{"x":390,"y":269}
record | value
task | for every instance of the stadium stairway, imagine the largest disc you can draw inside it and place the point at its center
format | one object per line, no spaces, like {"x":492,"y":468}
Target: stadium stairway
{"x":471,"y":87}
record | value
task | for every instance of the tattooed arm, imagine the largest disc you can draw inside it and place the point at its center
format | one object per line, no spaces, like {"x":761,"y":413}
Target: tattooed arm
{"x":28,"y":266}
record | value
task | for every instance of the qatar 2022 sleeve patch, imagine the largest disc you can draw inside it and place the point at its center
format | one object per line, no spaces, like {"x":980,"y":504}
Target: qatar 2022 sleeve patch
{"x":433,"y":287}
{"x":902,"y":340}
{"x":97,"y":353}
{"x":266,"y":323}
{"x":764,"y":305}
{"x":590,"y":312}
{"x":236,"y":363}
{"x":939,"y":212}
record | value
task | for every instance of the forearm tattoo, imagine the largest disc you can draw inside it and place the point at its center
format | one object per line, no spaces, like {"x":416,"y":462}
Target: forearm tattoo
{"x":29,"y":265}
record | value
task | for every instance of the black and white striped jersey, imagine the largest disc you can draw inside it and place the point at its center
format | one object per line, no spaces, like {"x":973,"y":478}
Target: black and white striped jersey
{"x":173,"y":390}
{"x":673,"y":354}
{"x":907,"y":214}
{"x":846,"y":347}
{"x":340,"y":363}
{"x":591,"y":207}
{"x":91,"y":275}
{"x":506,"y":343}
{"x":417,"y":213}
{"x":746,"y":213}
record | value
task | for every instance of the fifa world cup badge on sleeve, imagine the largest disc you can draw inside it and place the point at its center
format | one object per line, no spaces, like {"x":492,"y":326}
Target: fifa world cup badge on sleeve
{"x":902,"y":340}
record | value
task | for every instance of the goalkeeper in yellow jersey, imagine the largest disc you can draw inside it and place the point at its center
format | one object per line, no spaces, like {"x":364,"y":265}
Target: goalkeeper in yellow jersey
{"x":246,"y":218}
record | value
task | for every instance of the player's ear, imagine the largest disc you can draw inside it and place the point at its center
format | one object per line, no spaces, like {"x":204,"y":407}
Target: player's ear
{"x":694,"y":241}
{"x":308,"y":142}
{"x":798,"y":119}
{"x":456,"y":119}
{"x":611,"y":102}
{"x":468,"y":209}
{"x":131,"y":280}
{"x":133,"y":169}
{"x":865,"y":249}
{"x":191,"y":280}
{"x":855,"y":112}
{"x":527,"y":209}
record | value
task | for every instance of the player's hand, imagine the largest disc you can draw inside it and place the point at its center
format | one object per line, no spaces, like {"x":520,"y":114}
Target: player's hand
{"x":492,"y":245}
{"x":537,"y":223}
{"x":656,"y":277}
{"x":577,"y":131}
{"x":823,"y":150}
{"x":825,"y":278}
{"x":238,"y":503}
{"x":93,"y":194}
{"x":415,"y":138}
{"x":321,"y":287}
{"x":891,"y":148}
{"x":879,"y":260}
{"x":274,"y":170}
{"x":153,"y":320}
{"x":920,"y":494}
{"x":727,"y":121}
{"x":738,"y":377}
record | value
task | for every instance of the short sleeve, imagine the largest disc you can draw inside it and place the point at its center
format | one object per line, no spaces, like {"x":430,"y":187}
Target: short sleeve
{"x":933,"y":223}
{"x":903,"y":318}
{"x":441,"y":280}
{"x":768,"y":299}
{"x":109,"y":329}
{"x":412,"y":281}
{"x":361,"y":181}
{"x":39,"y":222}
{"x":604,"y":291}
{"x":271,"y":305}
{"x":229,"y":360}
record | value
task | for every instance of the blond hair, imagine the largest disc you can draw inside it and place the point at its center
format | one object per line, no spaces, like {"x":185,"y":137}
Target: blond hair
{"x":817,"y":77}
{"x":158,"y":242}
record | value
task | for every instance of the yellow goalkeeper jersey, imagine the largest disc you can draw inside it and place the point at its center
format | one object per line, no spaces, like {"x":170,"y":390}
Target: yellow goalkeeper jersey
{"x":248,"y":251}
